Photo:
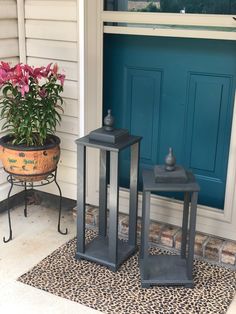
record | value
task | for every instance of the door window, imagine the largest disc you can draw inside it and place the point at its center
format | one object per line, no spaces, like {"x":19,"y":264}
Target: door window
{"x":173,"y":6}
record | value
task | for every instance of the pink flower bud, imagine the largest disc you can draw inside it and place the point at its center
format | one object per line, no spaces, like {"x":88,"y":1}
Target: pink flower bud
{"x":55,"y":68}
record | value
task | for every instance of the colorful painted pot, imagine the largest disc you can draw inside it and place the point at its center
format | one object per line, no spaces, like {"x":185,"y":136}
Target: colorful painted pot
{"x":30,"y":163}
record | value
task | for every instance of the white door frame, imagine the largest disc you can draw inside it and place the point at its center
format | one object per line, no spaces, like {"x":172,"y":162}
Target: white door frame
{"x":209,"y":220}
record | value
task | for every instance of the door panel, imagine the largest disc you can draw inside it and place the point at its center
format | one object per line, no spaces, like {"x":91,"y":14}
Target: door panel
{"x":206,"y":148}
{"x":144,"y":87}
{"x":142,"y":90}
{"x":207,"y":108}
{"x":174,"y":92}
{"x":204,"y":131}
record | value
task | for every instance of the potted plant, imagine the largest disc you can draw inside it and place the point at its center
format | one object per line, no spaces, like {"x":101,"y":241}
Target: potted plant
{"x":29,"y":108}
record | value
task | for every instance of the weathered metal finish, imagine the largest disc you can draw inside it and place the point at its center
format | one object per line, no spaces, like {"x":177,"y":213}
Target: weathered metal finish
{"x":168,"y":270}
{"x":130,"y":140}
{"x":145,"y":231}
{"x":106,"y":248}
{"x":81,"y":168}
{"x":192,"y":228}
{"x":113,"y":137}
{"x":170,"y":161}
{"x":109,"y":121}
{"x":114,"y":207}
{"x":103,"y":194}
{"x":133,"y":199}
{"x":185,"y":224}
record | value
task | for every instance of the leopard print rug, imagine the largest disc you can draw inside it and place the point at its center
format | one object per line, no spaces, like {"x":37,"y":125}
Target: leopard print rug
{"x":121,"y":293}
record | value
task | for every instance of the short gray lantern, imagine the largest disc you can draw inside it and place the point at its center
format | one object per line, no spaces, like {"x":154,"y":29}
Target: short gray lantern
{"x":169,"y":269}
{"x":106,"y":248}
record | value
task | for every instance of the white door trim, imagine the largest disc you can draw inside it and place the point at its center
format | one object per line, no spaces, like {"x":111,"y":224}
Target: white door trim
{"x":164,"y":24}
{"x":211,"y":20}
{"x":210,"y":220}
{"x":165,"y":32}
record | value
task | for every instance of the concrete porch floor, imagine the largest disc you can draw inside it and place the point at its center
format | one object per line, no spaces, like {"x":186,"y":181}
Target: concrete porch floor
{"x":34,"y":238}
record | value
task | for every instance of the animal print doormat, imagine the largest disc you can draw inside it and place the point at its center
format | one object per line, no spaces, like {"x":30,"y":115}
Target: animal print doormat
{"x":121,"y":293}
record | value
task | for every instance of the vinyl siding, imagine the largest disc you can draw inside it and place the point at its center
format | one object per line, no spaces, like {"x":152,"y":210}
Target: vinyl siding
{"x":51,"y":36}
{"x":9,"y":52}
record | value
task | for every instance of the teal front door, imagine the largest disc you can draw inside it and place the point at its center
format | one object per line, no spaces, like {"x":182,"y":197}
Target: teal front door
{"x":175,"y":93}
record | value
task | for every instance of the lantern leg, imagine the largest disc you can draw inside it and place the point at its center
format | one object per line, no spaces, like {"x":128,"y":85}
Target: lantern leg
{"x":133,"y":203}
{"x":103,"y":194}
{"x":192,"y":228}
{"x":9,"y":216}
{"x":114,"y":208}
{"x":81,"y":198}
{"x":185,"y":224}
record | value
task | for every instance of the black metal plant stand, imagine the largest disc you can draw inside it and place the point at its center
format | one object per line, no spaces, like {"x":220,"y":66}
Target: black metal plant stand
{"x":52,"y":177}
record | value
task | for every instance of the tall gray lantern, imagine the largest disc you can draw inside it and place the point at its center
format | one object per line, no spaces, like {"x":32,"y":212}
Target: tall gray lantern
{"x":106,"y":248}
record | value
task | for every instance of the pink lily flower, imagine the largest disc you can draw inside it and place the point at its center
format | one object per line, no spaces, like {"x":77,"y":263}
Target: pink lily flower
{"x":19,"y":70}
{"x":47,"y":69}
{"x":3,"y":75}
{"x":24,"y":89}
{"x":39,"y":73}
{"x":23,"y":75}
{"x":5,"y":66}
{"x":61,"y":78}
{"x":29,"y":69}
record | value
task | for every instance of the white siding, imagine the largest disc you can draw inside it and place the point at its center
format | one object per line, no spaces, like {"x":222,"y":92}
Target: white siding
{"x":51,"y":36}
{"x":9,"y":51}
{"x":8,"y":9}
{"x":51,"y":10}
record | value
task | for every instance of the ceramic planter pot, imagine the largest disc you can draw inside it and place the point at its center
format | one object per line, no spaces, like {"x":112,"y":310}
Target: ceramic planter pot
{"x":30,"y":163}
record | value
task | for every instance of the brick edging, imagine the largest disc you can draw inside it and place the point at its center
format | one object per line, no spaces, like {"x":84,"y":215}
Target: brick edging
{"x":207,"y":247}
